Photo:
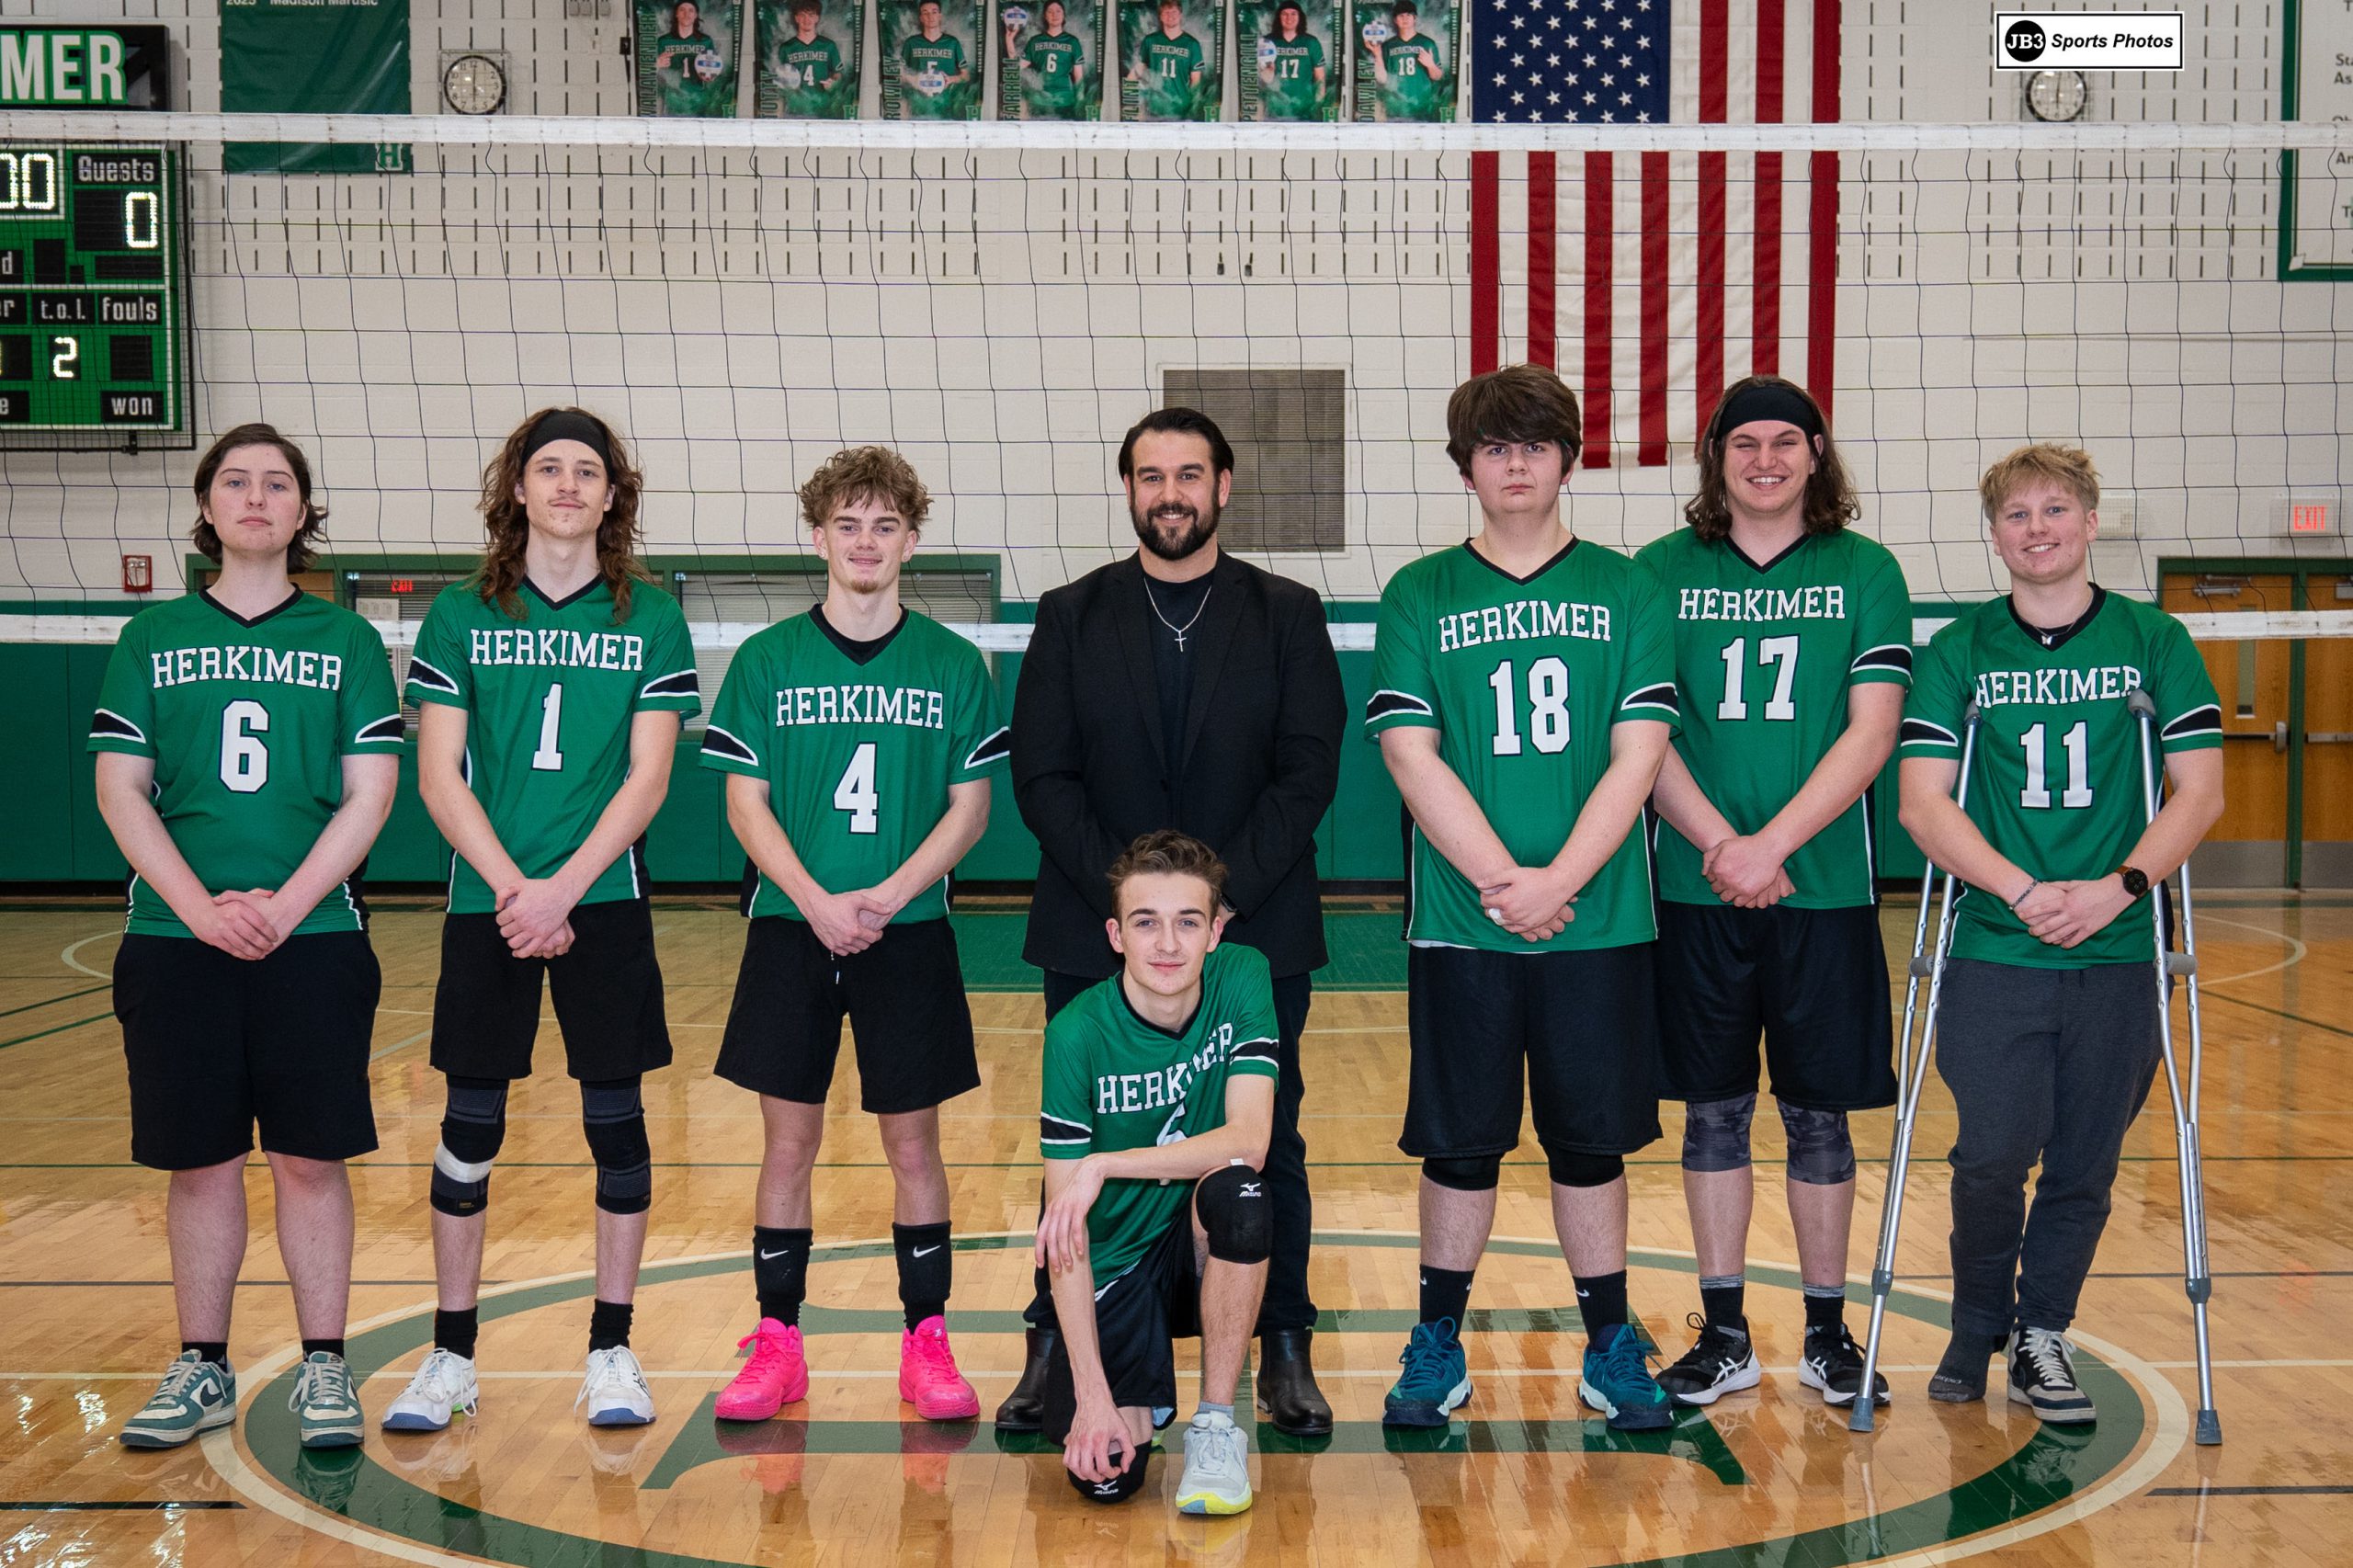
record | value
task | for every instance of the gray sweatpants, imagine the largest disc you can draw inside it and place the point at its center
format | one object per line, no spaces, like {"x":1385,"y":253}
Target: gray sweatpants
{"x":2049,"y":1064}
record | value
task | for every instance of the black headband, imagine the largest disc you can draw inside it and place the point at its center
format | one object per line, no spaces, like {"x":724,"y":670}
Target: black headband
{"x":1766,"y":401}
{"x":562,"y":425}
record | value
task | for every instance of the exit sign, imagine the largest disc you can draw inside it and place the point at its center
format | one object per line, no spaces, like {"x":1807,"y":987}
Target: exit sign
{"x":2307,"y":516}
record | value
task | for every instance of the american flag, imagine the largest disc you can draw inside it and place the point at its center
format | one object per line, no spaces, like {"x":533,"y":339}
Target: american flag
{"x":1652,"y":287}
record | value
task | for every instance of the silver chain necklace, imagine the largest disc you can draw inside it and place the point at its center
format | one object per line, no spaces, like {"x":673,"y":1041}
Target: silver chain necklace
{"x":1172,"y":626}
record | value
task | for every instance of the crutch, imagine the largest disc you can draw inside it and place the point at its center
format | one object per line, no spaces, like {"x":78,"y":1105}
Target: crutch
{"x":2195,"y":1280}
{"x":1911,"y":1077}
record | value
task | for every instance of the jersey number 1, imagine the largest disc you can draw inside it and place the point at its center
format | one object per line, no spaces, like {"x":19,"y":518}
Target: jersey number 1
{"x":549,"y":758}
{"x":856,"y":793}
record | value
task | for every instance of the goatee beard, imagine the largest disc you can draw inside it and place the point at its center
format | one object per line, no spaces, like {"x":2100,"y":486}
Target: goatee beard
{"x":1202,"y":528}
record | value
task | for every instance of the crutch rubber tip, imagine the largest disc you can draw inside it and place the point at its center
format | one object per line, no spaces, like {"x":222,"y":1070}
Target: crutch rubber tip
{"x":1859,"y":1419}
{"x":2210,"y":1428}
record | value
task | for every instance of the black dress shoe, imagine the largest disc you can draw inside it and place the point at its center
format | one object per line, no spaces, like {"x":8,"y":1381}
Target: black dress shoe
{"x":1024,"y":1409}
{"x":1287,"y":1390}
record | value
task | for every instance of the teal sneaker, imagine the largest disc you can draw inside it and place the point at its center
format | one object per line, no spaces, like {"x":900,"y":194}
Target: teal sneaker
{"x":326,"y":1411}
{"x":1618,"y":1383}
{"x":195,"y":1396}
{"x":1436,"y":1378}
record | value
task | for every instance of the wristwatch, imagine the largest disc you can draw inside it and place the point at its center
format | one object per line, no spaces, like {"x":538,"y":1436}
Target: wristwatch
{"x":2136,"y":882}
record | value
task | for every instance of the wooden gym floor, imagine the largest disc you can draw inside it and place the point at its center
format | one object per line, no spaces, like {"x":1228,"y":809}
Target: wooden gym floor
{"x":1768,"y":1477}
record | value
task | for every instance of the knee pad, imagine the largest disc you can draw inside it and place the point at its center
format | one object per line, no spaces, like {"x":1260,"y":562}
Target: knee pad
{"x":1120,"y":1487}
{"x":1478,"y":1174}
{"x":1822,"y":1152}
{"x":1715,"y":1133}
{"x":1235,"y":1210}
{"x":472,"y":1127}
{"x":1571,"y":1169}
{"x":613,"y":1116}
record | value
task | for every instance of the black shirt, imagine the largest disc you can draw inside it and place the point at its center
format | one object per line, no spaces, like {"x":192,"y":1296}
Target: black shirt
{"x":1177,"y":603}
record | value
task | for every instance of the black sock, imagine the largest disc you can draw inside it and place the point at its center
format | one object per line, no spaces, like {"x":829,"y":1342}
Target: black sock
{"x":1825,"y":1306}
{"x":457,"y":1331}
{"x":781,"y":1271}
{"x":1445,"y":1293}
{"x":1723,"y":1298}
{"x":608,"y":1325}
{"x":213,"y":1350}
{"x":1601,"y":1301}
{"x":313,"y":1347}
{"x":926,"y":1271}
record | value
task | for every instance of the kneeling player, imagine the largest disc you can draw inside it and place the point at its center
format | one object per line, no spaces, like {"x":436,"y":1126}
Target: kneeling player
{"x":249,"y":745}
{"x":550,"y":685}
{"x":858,"y":740}
{"x":1524,"y":695}
{"x":1158,"y":1100}
{"x":2047,"y":1028}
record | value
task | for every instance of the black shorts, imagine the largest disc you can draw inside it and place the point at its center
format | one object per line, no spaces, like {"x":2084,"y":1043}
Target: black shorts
{"x":608,"y":995}
{"x":1579,"y":1026}
{"x":1138,"y":1317}
{"x":216,"y":1044}
{"x":1814,"y":982}
{"x":904,"y":997}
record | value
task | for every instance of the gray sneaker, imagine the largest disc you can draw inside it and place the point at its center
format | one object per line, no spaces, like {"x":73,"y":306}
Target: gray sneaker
{"x":1217,"y":1467}
{"x":195,"y":1396}
{"x":326,"y":1411}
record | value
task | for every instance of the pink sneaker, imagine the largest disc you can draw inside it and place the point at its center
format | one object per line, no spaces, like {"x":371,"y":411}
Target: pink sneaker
{"x":776,"y":1376}
{"x":928,"y":1376}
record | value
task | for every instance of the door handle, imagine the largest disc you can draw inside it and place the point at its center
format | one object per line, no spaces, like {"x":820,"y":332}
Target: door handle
{"x":2280,"y":736}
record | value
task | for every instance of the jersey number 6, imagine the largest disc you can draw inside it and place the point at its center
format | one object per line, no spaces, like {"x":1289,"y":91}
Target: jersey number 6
{"x":244,"y":760}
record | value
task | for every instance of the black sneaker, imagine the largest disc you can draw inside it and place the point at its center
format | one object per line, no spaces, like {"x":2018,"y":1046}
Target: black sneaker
{"x":1833,"y":1362}
{"x":1722,"y":1362}
{"x":2042,"y":1375}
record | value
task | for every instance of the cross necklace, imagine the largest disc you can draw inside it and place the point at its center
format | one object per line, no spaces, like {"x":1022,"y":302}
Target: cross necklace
{"x":1172,"y":626}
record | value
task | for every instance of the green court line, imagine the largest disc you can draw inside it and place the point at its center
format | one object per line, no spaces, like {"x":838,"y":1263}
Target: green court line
{"x":32,"y":1007}
{"x":43,"y":1034}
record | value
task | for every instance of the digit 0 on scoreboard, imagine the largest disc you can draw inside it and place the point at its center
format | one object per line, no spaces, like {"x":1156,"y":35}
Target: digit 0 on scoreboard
{"x":93,"y":329}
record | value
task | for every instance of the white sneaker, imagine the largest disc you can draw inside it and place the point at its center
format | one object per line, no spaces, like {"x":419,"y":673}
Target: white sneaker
{"x":1217,"y":1467}
{"x":444,"y":1383}
{"x":614,"y":1390}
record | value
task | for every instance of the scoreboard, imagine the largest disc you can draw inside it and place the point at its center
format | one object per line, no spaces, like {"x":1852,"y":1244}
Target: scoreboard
{"x":94,"y":332}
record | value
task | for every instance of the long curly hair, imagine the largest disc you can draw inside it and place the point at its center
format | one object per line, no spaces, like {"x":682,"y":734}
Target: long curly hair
{"x":508,"y":524}
{"x":1830,"y":503}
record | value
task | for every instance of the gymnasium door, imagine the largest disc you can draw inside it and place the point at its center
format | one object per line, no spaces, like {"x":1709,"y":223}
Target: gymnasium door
{"x":2327,"y":727}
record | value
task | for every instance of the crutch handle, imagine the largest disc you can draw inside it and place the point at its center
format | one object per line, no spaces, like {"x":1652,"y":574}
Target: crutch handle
{"x":1923,"y":966}
{"x":2181,"y":964}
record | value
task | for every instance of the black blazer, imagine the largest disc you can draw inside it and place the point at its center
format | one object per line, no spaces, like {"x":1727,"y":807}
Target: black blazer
{"x":1260,"y":765}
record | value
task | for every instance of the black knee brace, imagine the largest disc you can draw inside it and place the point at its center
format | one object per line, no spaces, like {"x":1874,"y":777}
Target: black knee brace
{"x":1233,"y":1209}
{"x":1477,"y":1174}
{"x":1122,"y":1485}
{"x":1715,"y":1133}
{"x":613,"y":1116}
{"x":1572,"y":1169}
{"x":1822,"y":1152}
{"x":472,"y":1128}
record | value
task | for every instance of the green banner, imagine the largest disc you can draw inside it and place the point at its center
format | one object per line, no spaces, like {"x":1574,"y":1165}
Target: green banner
{"x":931,"y":59}
{"x":1407,"y":54}
{"x":1052,"y":63}
{"x":1174,"y":53}
{"x":293,"y":57}
{"x":807,"y":66}
{"x":1291,"y":61}
{"x":686,"y":57}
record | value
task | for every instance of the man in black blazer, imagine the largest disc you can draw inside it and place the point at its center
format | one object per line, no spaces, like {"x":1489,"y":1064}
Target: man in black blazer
{"x":1183,"y":689}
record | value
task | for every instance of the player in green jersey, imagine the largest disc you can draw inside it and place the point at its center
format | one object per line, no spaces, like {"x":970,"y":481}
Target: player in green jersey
{"x":1407,"y":67}
{"x":1157,"y":1101}
{"x":932,"y":67}
{"x":1793,"y":646}
{"x":1168,"y":67}
{"x":2047,"y":1029}
{"x":809,"y":64}
{"x":248,"y":745}
{"x":1523,"y":697}
{"x":1053,"y":68}
{"x":550,"y":685}
{"x":858,"y":741}
{"x":1291,"y":67}
{"x":681,"y":60}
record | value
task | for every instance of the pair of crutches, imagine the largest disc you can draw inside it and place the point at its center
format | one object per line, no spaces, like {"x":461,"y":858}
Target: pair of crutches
{"x":1912,"y":1072}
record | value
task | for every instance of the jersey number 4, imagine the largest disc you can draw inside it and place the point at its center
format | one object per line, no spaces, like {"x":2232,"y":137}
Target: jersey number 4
{"x":856,"y":793}
{"x":2076,"y":743}
{"x":1547,"y":703}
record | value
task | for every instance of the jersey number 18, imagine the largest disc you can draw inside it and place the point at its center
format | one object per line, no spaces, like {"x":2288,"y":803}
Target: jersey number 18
{"x":1548,"y":701}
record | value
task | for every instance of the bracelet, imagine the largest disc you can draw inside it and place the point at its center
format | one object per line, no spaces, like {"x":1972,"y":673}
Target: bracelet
{"x":2031,"y":884}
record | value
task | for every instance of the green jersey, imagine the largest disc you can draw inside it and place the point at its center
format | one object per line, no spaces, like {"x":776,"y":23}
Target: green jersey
{"x":551,"y":697}
{"x":1169,"y":64}
{"x":808,"y":72}
{"x":683,"y":88}
{"x":1411,"y":92}
{"x":1524,"y":680}
{"x":1295,"y":94}
{"x":1765,"y":654}
{"x":249,"y":722}
{"x":1052,"y":63}
{"x":2056,"y":784}
{"x":1113,"y":1081}
{"x":920,"y":55}
{"x":859,"y":743}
